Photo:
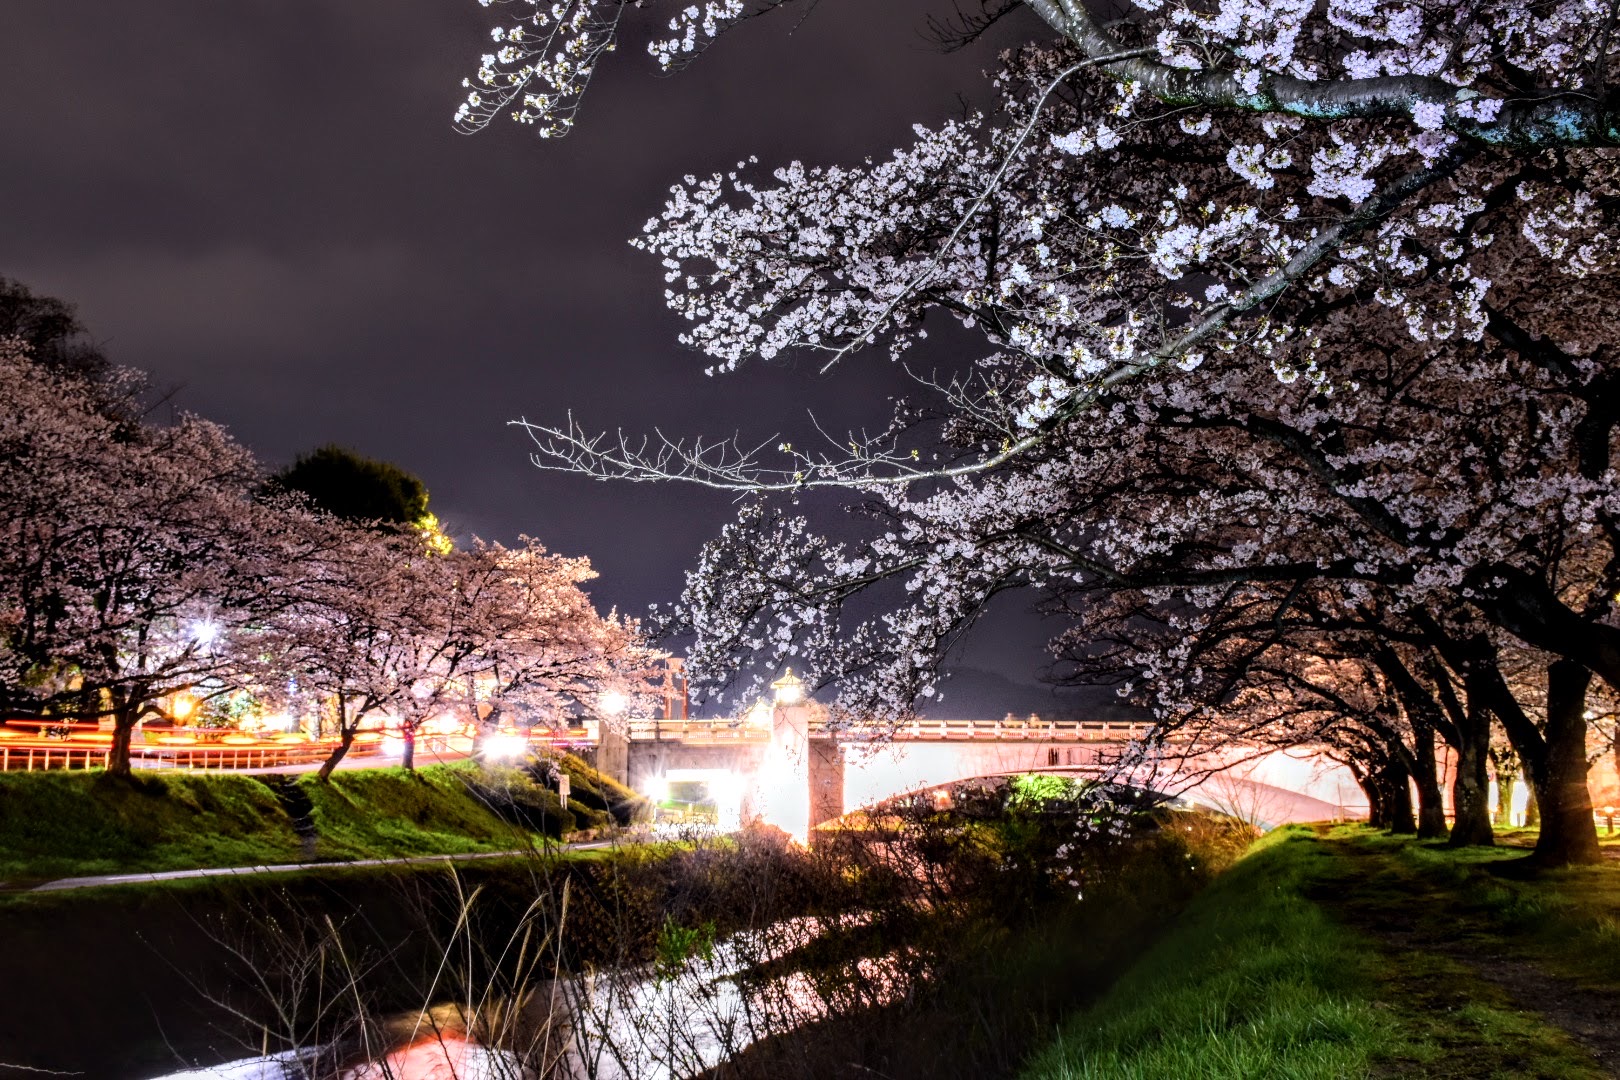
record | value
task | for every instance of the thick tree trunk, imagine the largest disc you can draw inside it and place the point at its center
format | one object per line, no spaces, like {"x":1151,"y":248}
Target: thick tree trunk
{"x":1377,"y":807}
{"x":345,"y":741}
{"x":407,"y":756}
{"x":1397,"y":785}
{"x":1615,"y":747}
{"x":1431,"y":824}
{"x":1568,"y":833}
{"x":123,"y":736}
{"x":1532,"y":808}
{"x":1470,"y":791}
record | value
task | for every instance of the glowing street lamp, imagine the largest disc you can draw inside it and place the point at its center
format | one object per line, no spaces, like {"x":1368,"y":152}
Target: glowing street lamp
{"x":613,"y":703}
{"x":789,"y":689}
{"x":182,"y":706}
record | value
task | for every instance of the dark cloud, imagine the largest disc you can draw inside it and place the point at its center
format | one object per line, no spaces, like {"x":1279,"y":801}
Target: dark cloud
{"x":264,"y":203}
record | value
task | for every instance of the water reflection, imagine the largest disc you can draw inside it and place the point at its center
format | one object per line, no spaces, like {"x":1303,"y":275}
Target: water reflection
{"x":613,"y":1024}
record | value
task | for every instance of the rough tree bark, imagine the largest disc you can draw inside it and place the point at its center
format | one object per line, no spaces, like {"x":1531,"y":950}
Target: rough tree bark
{"x":1568,"y":832}
{"x":1431,"y":823}
{"x":1505,"y":779}
{"x":1377,"y":809}
{"x":1396,"y":783}
{"x":123,"y":735}
{"x":1470,"y":791}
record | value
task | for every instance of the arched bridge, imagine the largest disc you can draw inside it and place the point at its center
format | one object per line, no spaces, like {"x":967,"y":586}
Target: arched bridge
{"x":793,"y":770}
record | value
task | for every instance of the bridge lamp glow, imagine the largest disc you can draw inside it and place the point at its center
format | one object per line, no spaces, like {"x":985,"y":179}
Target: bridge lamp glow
{"x":507,"y":745}
{"x":759,"y":716}
{"x":658,"y":789}
{"x":789,"y":689}
{"x":613,"y":703}
{"x":727,"y":792}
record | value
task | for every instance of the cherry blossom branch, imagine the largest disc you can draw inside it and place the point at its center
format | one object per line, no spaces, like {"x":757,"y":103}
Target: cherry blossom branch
{"x":922,"y":277}
{"x":1549,"y":118}
{"x":729,"y":466}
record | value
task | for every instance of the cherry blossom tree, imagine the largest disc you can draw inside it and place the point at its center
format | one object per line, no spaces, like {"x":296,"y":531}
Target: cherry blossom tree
{"x":1277,"y":669}
{"x":133,"y":560}
{"x":508,"y":633}
{"x":547,"y":652}
{"x":350,"y":635}
{"x":1296,"y":299}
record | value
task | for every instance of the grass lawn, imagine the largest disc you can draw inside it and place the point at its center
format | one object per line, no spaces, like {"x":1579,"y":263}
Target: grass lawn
{"x":67,"y":824}
{"x":1354,"y":955}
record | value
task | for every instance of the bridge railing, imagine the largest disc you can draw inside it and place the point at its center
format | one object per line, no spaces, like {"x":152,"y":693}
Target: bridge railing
{"x":36,"y":754}
{"x":31,"y":755}
{"x":1035,"y":729}
{"x":695,"y":731}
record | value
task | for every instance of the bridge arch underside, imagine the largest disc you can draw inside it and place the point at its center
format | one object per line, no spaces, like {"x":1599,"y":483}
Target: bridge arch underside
{"x":1276,"y":788}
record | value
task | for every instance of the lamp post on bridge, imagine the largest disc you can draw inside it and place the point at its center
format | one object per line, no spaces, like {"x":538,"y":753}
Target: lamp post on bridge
{"x":801,"y":781}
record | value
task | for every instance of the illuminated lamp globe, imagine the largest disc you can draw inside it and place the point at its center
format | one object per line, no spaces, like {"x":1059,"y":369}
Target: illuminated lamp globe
{"x":789,"y":689}
{"x":614,"y":703}
{"x":759,"y":716}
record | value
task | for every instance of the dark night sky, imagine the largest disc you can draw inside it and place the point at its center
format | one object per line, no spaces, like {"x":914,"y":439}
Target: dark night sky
{"x":263,"y":202}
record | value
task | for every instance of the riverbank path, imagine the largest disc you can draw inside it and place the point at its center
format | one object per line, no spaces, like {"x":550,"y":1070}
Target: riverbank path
{"x":99,"y":880}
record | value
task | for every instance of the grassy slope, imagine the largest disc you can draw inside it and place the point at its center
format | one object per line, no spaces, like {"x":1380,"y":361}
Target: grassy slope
{"x":67,"y":824}
{"x":1566,"y":920}
{"x":1256,"y":979}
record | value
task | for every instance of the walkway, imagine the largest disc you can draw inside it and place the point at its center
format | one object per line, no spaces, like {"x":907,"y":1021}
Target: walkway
{"x":288,"y":868}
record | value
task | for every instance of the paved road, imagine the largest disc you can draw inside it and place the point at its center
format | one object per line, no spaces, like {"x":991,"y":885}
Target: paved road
{"x":287,"y":868}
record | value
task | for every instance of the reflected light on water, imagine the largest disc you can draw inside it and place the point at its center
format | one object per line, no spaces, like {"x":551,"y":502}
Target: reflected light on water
{"x":447,"y":1056}
{"x":630,"y":1026}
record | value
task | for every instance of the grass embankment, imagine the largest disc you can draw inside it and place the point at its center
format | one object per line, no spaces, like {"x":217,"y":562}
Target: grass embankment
{"x":63,"y":824}
{"x":1291,"y":965}
{"x":1567,"y":921}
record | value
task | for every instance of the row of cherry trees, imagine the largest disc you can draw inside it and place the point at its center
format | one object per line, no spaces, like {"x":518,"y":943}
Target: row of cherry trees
{"x":1297,"y":388}
{"x":139,"y":561}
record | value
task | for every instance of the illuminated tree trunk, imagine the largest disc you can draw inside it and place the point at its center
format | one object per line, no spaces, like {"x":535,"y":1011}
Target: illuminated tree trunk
{"x":1506,"y":777}
{"x":346,"y":726}
{"x":1395,"y":790}
{"x":407,"y":756}
{"x":1470,"y":790}
{"x":127,"y":706}
{"x":1568,"y":832}
{"x":123,"y":736}
{"x":1431,"y":823}
{"x":1389,"y":796}
{"x":1376,"y":807}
